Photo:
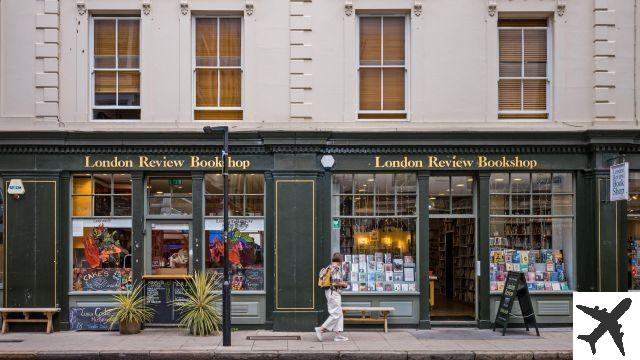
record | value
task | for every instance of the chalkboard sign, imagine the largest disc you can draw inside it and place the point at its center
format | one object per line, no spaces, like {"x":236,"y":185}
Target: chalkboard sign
{"x":160,"y":295}
{"x":101,"y":279}
{"x":90,"y":318}
{"x":253,"y":279}
{"x":515,"y":286}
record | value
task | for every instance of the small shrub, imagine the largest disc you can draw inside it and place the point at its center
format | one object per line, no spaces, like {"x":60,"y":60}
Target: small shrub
{"x":200,"y":312}
{"x":131,"y":307}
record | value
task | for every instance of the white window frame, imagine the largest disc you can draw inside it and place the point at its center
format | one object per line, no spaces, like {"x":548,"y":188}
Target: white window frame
{"x":406,"y":66}
{"x":218,"y":67}
{"x":548,"y":78}
{"x":92,"y":69}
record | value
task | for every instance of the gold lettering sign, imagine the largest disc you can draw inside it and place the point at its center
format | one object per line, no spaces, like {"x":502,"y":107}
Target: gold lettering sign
{"x":457,"y":162}
{"x":149,"y":162}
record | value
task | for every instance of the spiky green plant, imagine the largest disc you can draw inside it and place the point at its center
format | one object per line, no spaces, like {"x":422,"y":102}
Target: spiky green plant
{"x":131,"y":307}
{"x":199,"y":309}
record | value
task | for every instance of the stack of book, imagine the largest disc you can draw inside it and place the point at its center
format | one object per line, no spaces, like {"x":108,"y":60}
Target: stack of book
{"x":379,"y":272}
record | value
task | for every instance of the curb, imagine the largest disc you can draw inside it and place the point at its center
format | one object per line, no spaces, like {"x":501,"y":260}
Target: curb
{"x":290,"y":355}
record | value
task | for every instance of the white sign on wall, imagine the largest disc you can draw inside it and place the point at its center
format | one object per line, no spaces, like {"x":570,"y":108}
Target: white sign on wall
{"x":15,"y":187}
{"x":619,"y":185}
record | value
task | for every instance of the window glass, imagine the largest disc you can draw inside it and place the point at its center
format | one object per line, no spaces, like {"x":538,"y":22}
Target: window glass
{"x":169,"y":249}
{"x":633,"y":231}
{"x":169,"y":196}
{"x":101,"y":195}
{"x":101,"y":254}
{"x":116,"y":68}
{"x":246,"y":195}
{"x":1,"y":234}
{"x":533,"y":232}
{"x":451,"y":194}
{"x":377,"y":233}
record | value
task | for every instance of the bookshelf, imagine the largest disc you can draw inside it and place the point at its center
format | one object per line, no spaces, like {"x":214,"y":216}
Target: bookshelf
{"x":463,"y":257}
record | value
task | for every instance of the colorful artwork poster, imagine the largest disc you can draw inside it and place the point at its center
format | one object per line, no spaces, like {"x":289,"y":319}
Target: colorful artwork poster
{"x":110,"y":279}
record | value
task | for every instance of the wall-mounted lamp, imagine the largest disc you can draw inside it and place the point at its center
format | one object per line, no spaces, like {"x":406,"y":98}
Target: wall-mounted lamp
{"x":327,"y":162}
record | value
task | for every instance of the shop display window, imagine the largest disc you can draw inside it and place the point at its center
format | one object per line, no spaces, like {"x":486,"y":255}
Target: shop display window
{"x":1,"y":236}
{"x":101,"y":254}
{"x":532,"y":229}
{"x":169,"y":196}
{"x":633,"y":231}
{"x":246,"y":225}
{"x":101,"y":195}
{"x":376,"y":215}
{"x":170,"y":249}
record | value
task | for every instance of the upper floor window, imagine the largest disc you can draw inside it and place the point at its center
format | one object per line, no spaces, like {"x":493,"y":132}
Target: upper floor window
{"x":382,"y":67}
{"x":524,"y":82}
{"x":218,"y":68}
{"x":115,"y":68}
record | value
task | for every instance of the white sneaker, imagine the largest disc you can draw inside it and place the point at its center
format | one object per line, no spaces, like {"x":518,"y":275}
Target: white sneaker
{"x":340,"y":338}
{"x":319,"y":333}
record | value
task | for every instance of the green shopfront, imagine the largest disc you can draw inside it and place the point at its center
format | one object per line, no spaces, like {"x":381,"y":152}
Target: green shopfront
{"x":428,"y":223}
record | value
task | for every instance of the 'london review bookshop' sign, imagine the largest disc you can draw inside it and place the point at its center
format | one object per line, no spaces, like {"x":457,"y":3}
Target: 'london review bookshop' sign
{"x":162,"y":162}
{"x":455,"y":162}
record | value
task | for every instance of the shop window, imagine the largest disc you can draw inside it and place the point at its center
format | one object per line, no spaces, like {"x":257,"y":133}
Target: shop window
{"x":524,"y":82}
{"x":633,"y":230}
{"x":101,"y":254}
{"x":170,"y":196}
{"x":218,"y":68}
{"x":376,"y":214}
{"x":115,"y":68}
{"x":246,"y":225}
{"x":382,"y":67}
{"x":1,"y":235}
{"x":103,"y":195}
{"x":451,"y":195}
{"x":170,"y":249}
{"x":531,"y":229}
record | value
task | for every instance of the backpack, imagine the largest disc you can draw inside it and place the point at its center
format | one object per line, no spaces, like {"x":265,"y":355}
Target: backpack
{"x":324,"y":278}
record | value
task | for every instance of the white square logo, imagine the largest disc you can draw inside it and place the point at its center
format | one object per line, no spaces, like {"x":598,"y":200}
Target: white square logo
{"x":603,"y":325}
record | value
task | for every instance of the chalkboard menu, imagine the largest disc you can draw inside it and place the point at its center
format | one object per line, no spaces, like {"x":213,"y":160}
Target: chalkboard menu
{"x":515,"y":286}
{"x":90,"y":318}
{"x":160,"y":295}
{"x":253,"y":279}
{"x":101,"y":279}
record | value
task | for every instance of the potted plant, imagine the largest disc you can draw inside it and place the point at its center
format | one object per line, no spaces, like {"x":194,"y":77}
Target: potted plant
{"x":131,"y":311}
{"x":200,"y":306}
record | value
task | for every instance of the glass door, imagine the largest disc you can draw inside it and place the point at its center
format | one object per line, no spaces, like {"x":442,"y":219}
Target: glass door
{"x":170,"y":251}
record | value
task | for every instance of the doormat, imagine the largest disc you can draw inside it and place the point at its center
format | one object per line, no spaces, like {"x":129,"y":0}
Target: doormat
{"x":273,"y":337}
{"x":473,"y":334}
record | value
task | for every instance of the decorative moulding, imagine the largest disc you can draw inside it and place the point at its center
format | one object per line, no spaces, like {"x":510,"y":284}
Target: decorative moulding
{"x":184,"y":7}
{"x":348,"y":7}
{"x":146,"y":7}
{"x":82,"y":7}
{"x":493,"y":7}
{"x":417,"y":7}
{"x":562,"y":7}
{"x":248,"y":7}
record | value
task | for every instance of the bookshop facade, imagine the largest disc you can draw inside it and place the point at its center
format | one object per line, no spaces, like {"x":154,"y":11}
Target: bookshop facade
{"x":426,"y":228}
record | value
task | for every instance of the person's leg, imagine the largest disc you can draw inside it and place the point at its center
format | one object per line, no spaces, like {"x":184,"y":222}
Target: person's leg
{"x":339,"y":327}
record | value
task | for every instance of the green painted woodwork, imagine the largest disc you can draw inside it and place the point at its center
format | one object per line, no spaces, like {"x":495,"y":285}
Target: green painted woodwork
{"x":483,"y":283}
{"x":423,"y":249}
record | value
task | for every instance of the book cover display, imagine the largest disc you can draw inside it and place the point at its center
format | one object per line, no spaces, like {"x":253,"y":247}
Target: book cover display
{"x":379,"y":272}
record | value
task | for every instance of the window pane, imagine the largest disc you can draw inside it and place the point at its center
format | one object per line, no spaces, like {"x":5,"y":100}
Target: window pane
{"x":116,"y":114}
{"x":499,"y":183}
{"x":169,"y":251}
{"x":520,"y":182}
{"x":181,"y":186}
{"x":206,"y":42}
{"x":82,"y":206}
{"x":255,"y":205}
{"x":393,"y":42}
{"x":439,"y":204}
{"x":230,"y":83}
{"x":247,"y":265}
{"x":364,"y":183}
{"x":159,"y":206}
{"x":105,"y":88}
{"x":499,"y":205}
{"x":510,"y":94}
{"x":122,"y":184}
{"x":462,"y":205}
{"x":342,"y":184}
{"x":363,"y":205}
{"x":439,"y":195}
{"x":562,"y":204}
{"x":541,"y":182}
{"x":510,"y":52}
{"x":128,"y":43}
{"x":214,"y":184}
{"x":405,"y":183}
{"x":520,"y":204}
{"x":206,"y":87}
{"x":159,"y":187}
{"x":346,"y":205}
{"x":385,"y":205}
{"x":370,"y":89}
{"x":462,"y":185}
{"x":370,"y":40}
{"x":384,"y":183}
{"x":102,"y":206}
{"x":406,"y":204}
{"x":181,"y":206}
{"x":236,"y":205}
{"x":634,"y":182}
{"x":104,"y":43}
{"x":236,"y":184}
{"x":541,"y":204}
{"x":255,"y":183}
{"x":102,"y":184}
{"x":230,"y":38}
{"x":535,"y":52}
{"x":81,"y":185}
{"x":562,"y":183}
{"x":213,"y":205}
{"x":393,"y":88}
{"x":535,"y":94}
{"x":122,"y":205}
{"x":129,"y":88}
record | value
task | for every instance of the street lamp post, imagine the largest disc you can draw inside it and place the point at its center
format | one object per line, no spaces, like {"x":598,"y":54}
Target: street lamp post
{"x":226,"y":291}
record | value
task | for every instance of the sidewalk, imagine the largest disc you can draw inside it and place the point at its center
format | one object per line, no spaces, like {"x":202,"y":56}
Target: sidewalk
{"x":400,"y":344}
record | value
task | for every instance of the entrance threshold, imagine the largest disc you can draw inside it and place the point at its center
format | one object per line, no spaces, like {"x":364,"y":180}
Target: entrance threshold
{"x":454,"y":323}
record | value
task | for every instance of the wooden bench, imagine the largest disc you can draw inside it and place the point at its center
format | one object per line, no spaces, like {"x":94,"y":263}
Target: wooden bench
{"x":366,"y":312}
{"x":26,"y":312}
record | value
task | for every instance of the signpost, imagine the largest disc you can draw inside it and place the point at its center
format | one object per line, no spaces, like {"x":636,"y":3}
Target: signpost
{"x":619,"y":183}
{"x":515,"y":286}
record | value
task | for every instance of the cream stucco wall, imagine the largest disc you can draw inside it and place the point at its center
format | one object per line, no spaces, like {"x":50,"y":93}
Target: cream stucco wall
{"x":299,"y":64}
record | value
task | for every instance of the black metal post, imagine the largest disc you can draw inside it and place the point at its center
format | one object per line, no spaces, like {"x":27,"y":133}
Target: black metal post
{"x":226,"y":289}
